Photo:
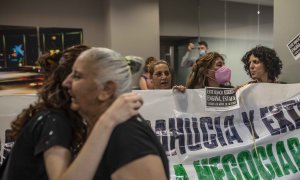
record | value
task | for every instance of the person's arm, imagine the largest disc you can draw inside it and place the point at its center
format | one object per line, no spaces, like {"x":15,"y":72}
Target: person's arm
{"x":57,"y":158}
{"x":143,"y":83}
{"x":187,"y":60}
{"x":179,"y":88}
{"x":147,"y":168}
{"x":85,"y":165}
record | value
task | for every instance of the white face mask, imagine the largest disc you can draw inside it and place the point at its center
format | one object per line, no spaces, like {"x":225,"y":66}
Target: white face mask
{"x":201,"y":52}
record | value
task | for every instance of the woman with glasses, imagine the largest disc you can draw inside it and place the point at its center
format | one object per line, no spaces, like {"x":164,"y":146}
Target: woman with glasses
{"x":161,"y":75}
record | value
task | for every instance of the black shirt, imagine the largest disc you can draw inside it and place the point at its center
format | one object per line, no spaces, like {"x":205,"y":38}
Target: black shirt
{"x":46,"y":129}
{"x":129,"y":141}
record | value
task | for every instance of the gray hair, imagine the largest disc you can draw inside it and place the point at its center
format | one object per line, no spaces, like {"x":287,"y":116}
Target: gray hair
{"x":109,"y":66}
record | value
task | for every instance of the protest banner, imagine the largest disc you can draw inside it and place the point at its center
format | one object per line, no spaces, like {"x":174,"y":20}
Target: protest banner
{"x":258,"y":140}
{"x":10,"y":107}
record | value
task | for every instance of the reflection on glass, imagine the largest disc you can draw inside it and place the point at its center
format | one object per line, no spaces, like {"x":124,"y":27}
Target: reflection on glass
{"x":2,"y":62}
{"x":31,"y":49}
{"x":20,"y":46}
{"x":53,"y":42}
{"x":15,"y":50}
{"x":19,"y":49}
{"x":72,"y":38}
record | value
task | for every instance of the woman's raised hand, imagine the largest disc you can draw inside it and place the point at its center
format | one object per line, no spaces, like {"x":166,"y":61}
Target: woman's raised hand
{"x":123,"y":108}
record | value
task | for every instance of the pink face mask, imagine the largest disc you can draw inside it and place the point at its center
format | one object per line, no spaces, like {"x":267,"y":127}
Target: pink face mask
{"x":223,"y":75}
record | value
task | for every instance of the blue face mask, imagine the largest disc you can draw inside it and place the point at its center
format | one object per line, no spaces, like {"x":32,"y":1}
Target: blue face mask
{"x":201,"y":53}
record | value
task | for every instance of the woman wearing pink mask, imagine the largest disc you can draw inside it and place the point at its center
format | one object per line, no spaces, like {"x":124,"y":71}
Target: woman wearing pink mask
{"x":209,"y":71}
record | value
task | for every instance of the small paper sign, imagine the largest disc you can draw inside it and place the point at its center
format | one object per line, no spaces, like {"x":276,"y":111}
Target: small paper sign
{"x":294,"y":47}
{"x":220,"y":99}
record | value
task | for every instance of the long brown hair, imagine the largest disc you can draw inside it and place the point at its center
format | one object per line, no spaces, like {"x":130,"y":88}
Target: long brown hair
{"x":48,"y":62}
{"x":197,"y":78}
{"x":53,"y":95}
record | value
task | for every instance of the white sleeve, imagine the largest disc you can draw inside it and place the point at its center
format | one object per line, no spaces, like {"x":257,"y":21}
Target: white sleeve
{"x":187,"y":60}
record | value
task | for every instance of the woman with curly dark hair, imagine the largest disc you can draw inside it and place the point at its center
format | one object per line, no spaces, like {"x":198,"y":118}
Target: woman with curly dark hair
{"x":48,"y":134}
{"x":262,"y":64}
{"x":53,"y":96}
{"x":209,"y":71}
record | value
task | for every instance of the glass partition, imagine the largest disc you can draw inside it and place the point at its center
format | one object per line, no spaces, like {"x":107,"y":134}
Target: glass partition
{"x":20,"y":46}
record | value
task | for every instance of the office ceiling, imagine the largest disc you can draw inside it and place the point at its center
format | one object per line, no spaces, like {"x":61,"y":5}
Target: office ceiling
{"x":261,"y":2}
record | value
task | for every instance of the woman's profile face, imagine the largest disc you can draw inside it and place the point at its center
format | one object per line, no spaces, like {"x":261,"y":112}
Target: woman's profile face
{"x":257,"y":69}
{"x":82,"y":87}
{"x":161,"y":77}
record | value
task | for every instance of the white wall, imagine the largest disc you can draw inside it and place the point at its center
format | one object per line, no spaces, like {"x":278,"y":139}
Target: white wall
{"x":130,"y":27}
{"x":134,"y":27}
{"x":178,"y":18}
{"x":87,"y":15}
{"x":286,"y":27}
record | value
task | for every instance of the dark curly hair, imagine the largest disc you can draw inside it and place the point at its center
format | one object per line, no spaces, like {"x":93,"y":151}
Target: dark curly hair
{"x":53,"y":95}
{"x":268,"y":57}
{"x":197,"y":77}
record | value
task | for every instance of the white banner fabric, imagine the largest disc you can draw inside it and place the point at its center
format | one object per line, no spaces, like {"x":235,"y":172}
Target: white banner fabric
{"x":259,"y":140}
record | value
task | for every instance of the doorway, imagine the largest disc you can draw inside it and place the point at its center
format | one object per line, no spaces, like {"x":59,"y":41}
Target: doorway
{"x":172,"y":49}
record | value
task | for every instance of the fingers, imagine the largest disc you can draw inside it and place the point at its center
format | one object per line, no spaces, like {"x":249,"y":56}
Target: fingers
{"x":179,"y":88}
{"x":132,"y":97}
{"x":129,"y":103}
{"x":134,"y":102}
{"x":191,"y":46}
{"x":137,"y":105}
{"x":123,"y":108}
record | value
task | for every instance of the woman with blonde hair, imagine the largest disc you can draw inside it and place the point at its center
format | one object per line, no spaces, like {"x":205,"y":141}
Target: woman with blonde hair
{"x":209,"y":71}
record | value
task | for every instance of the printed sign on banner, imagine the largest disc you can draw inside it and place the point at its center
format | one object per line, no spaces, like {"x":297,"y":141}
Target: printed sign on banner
{"x":294,"y":47}
{"x":220,"y":99}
